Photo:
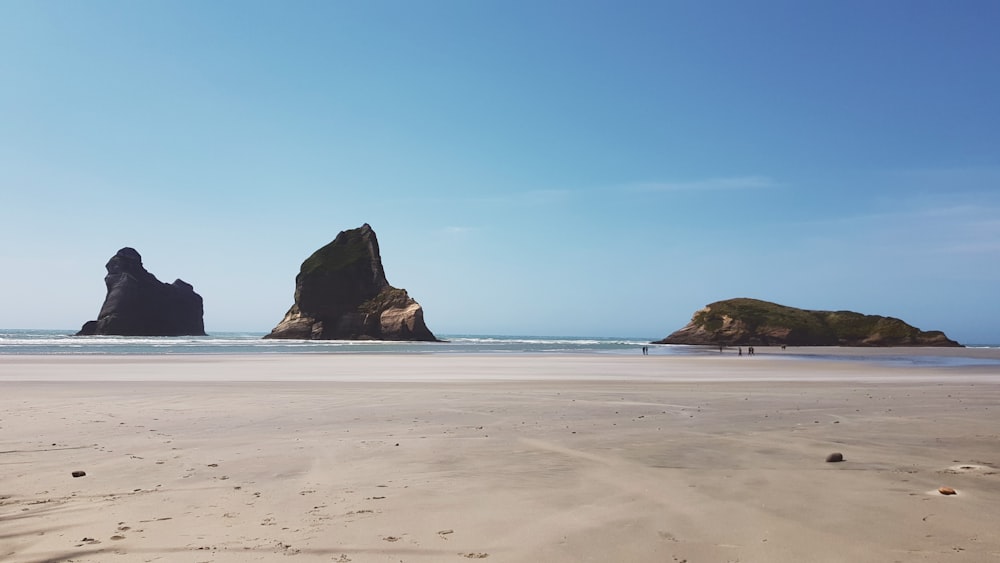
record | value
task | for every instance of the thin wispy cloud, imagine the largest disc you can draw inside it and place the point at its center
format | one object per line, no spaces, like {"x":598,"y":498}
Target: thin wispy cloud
{"x":929,"y":228}
{"x":958,"y":177}
{"x":945,"y":210}
{"x":706,"y":185}
{"x":530,"y":198}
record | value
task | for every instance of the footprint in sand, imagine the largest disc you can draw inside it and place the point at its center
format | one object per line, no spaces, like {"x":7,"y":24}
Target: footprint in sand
{"x":973,"y":468}
{"x":88,"y":541}
{"x":475,"y":555}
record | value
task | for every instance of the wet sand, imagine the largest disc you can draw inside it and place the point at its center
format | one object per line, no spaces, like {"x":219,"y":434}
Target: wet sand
{"x":506,"y":458}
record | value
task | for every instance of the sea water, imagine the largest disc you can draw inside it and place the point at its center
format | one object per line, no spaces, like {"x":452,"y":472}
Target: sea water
{"x":48,"y":342}
{"x":62,"y":342}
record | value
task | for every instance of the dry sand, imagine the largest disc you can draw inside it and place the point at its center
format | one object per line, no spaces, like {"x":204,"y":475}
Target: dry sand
{"x":506,"y":458}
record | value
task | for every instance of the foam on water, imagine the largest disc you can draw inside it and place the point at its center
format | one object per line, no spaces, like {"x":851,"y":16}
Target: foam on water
{"x":46,"y":342}
{"x":62,"y":342}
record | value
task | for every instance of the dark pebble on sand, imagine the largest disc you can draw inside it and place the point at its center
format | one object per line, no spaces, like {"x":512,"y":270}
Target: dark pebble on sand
{"x":835,"y":457}
{"x":79,"y":473}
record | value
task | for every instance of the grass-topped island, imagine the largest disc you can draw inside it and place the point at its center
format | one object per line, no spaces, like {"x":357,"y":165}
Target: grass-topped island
{"x":745,"y":322}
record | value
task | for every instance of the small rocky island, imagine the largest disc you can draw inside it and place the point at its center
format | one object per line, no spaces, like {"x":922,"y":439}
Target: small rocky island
{"x":341,"y":293}
{"x":138,"y":304}
{"x":742,"y":321}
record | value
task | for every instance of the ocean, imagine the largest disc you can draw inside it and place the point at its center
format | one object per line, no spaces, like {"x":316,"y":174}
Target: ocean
{"x":48,"y":342}
{"x":62,"y":342}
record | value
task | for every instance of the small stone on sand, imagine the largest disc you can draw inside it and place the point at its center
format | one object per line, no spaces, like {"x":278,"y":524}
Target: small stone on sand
{"x":79,"y":473}
{"x":947,"y":491}
{"x":834,"y":457}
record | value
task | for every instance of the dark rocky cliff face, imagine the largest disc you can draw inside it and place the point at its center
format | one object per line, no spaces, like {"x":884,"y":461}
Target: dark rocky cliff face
{"x":138,"y":304}
{"x":341,"y":293}
{"x":742,"y":321}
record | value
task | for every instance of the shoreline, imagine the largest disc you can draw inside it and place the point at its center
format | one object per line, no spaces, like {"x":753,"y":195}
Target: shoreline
{"x":838,"y":364}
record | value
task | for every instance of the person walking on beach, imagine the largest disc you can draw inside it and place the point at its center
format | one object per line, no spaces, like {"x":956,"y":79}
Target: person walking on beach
{"x":741,"y":350}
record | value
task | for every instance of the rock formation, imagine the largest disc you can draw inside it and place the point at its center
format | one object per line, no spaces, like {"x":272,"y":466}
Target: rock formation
{"x":138,"y":304}
{"x":745,"y":322}
{"x":341,"y":293}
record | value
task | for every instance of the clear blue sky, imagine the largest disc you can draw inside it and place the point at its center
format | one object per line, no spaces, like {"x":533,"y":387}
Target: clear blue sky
{"x":530,"y":167}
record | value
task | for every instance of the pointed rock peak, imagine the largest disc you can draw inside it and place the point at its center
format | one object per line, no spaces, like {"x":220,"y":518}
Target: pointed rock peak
{"x":354,"y":250}
{"x":341,"y":293}
{"x":129,"y":253}
{"x":126,"y":260}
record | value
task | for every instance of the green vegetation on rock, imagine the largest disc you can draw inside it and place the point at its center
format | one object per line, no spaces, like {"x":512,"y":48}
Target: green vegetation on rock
{"x":756,"y":314}
{"x":338,"y":255}
{"x":744,"y":321}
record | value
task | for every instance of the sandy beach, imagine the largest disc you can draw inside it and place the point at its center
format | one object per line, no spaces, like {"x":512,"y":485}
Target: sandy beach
{"x":457,"y":457}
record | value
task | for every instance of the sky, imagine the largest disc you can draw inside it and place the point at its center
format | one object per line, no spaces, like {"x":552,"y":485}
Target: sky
{"x":558,"y":168}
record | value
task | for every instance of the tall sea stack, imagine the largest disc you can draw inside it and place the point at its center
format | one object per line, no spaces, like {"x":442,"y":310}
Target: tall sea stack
{"x":138,"y":304}
{"x":341,"y":293}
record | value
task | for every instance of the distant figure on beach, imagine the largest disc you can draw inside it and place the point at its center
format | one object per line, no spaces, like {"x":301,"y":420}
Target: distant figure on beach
{"x":645,"y":350}
{"x":720,"y":348}
{"x":750,"y":350}
{"x":782,"y":346}
{"x":741,"y":350}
